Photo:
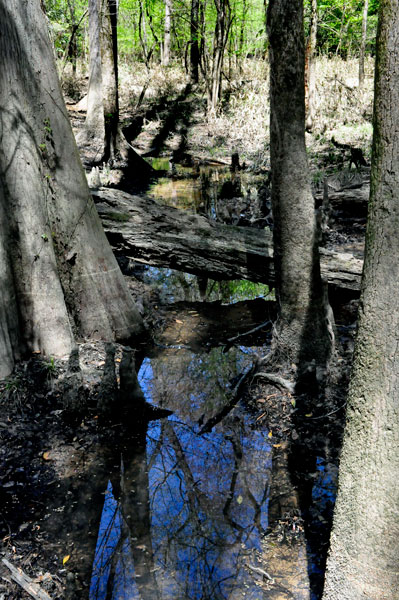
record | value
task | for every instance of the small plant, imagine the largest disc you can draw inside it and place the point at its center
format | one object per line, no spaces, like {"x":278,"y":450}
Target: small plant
{"x":47,"y":127}
{"x":50,"y":367}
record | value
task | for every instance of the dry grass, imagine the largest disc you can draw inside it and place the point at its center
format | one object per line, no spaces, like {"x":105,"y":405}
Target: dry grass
{"x":343,"y":111}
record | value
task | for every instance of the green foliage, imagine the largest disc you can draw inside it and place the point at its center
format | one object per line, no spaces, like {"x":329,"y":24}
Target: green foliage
{"x":340,"y":26}
{"x":141,"y":28}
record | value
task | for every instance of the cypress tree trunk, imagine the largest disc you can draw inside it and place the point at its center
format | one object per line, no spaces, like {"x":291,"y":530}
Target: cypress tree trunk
{"x":58,"y":276}
{"x":302,"y":334}
{"x":364,"y":552}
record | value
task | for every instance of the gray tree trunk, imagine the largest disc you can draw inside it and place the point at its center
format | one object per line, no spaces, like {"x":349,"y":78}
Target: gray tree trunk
{"x":92,"y":136}
{"x":363,"y":42}
{"x":311,"y":68}
{"x":101,"y":139}
{"x":302,"y":333}
{"x":166,"y":37}
{"x":168,"y":237}
{"x":58,"y":276}
{"x":364,"y":553}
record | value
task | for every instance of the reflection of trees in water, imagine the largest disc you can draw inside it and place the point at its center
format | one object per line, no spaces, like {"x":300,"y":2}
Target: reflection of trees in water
{"x":192,"y":509}
{"x":183,"y":516}
{"x":208,"y":508}
{"x":193,"y":384}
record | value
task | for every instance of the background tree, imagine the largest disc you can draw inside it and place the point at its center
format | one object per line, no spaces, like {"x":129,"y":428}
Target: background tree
{"x":59,"y":278}
{"x":363,"y":42}
{"x":363,"y":561}
{"x":166,"y":36}
{"x":194,"y":45}
{"x":302,"y":332}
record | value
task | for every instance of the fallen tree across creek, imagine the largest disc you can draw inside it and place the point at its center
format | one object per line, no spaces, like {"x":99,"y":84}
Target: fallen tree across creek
{"x":164,"y":236}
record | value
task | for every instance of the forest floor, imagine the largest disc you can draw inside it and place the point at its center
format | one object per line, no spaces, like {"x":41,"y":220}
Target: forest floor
{"x":42,"y":451}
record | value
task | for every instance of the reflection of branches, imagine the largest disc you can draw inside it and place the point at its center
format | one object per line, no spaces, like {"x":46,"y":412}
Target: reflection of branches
{"x":191,"y":485}
{"x":237,"y":449}
{"x":235,"y":396}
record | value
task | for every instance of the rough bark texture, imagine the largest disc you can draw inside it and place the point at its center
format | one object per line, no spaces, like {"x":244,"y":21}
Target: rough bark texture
{"x":167,"y":237}
{"x":311,"y":67}
{"x":57,"y":271}
{"x":364,"y":554}
{"x":93,"y":134}
{"x":302,"y":331}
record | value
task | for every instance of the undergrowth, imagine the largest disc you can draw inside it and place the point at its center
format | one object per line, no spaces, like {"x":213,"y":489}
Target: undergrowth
{"x":343,"y":111}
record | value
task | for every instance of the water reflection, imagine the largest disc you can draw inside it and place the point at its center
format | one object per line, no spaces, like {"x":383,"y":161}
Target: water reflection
{"x":186,"y":515}
{"x":207,"y":517}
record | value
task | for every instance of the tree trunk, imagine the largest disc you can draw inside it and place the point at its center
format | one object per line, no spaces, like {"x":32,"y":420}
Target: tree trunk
{"x":363,"y":42}
{"x":101,"y":139}
{"x":310,"y":68}
{"x":109,"y":66}
{"x":219,"y":43}
{"x":194,"y":45}
{"x":93,"y":134}
{"x":72,"y":50}
{"x":58,"y":274}
{"x":166,"y":37}
{"x":364,"y":552}
{"x":302,"y":333}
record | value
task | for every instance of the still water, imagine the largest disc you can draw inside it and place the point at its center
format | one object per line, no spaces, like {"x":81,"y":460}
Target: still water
{"x":187,"y":515}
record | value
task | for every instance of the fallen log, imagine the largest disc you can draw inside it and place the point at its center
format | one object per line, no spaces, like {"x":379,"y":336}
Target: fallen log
{"x":164,"y":236}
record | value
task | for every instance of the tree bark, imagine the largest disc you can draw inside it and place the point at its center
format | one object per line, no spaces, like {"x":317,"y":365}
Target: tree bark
{"x":363,"y":42}
{"x":302,"y":333}
{"x":220,"y":38}
{"x":101,"y":139}
{"x":364,"y":553}
{"x":310,"y":69}
{"x":58,"y":275}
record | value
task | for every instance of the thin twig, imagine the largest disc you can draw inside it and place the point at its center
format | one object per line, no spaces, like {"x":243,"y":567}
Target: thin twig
{"x":236,"y":337}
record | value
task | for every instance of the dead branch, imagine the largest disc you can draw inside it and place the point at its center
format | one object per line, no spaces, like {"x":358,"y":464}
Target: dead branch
{"x":26,"y":582}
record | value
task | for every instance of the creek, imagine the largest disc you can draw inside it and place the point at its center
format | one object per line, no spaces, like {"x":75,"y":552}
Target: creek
{"x":186,"y":515}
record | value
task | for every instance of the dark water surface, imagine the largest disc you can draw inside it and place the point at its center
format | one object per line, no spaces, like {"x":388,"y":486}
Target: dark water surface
{"x":189,"y":515}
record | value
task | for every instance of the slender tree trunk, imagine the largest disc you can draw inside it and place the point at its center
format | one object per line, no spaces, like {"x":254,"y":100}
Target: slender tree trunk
{"x":101,"y":139}
{"x":194,"y":45}
{"x":58,"y":276}
{"x":166,"y":37}
{"x":310,"y":68}
{"x":143,"y":32}
{"x":109,"y":67}
{"x":219,"y":43}
{"x":72,"y":44}
{"x":364,"y":553}
{"x":363,"y":42}
{"x":302,"y":333}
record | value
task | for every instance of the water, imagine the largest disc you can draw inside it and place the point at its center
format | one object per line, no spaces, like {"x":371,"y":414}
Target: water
{"x":202,"y":499}
{"x":189,"y":515}
{"x":219,"y":515}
